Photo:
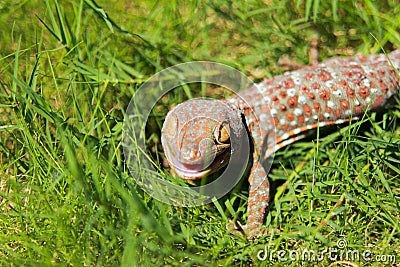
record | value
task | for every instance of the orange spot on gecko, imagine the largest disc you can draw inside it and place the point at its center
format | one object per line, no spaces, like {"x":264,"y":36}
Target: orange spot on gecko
{"x":324,"y":95}
{"x":300,"y":119}
{"x":289,"y":83}
{"x":290,"y":116}
{"x":206,"y":128}
{"x":282,"y":108}
{"x":350,"y":93}
{"x":344,"y":104}
{"x":348,"y":74}
{"x":343,"y":83}
{"x":307,"y":110}
{"x":311,"y":96}
{"x":304,"y":89}
{"x":292,"y":102}
{"x":357,"y":82}
{"x":363,"y":92}
{"x":261,"y":198}
{"x":383,"y":86}
{"x":315,"y":86}
{"x":274,"y":121}
{"x":309,"y":76}
{"x":358,"y":109}
{"x":317,"y":107}
{"x":324,"y":76}
{"x":337,"y":113}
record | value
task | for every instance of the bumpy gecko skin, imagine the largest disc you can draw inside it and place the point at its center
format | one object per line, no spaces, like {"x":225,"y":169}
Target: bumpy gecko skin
{"x":196,"y":135}
{"x":199,"y":136}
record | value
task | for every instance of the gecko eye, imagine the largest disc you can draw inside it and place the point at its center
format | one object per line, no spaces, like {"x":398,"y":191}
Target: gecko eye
{"x":221,"y":133}
{"x":170,"y":125}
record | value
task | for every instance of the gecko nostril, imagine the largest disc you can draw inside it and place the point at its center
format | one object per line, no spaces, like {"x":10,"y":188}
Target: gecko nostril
{"x":194,"y":154}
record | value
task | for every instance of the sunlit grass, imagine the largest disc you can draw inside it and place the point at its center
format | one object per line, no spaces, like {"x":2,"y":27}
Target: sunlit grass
{"x":68,"y":70}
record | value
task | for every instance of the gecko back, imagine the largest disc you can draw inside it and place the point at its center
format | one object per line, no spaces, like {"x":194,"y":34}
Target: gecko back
{"x":330,"y":92}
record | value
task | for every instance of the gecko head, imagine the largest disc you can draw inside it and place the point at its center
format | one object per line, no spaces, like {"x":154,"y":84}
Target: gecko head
{"x":199,"y":136}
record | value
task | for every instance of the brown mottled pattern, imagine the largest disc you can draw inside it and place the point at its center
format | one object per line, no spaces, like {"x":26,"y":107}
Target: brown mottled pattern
{"x":276,"y":111}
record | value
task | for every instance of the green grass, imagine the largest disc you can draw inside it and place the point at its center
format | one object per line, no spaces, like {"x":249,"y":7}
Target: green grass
{"x":68,"y":70}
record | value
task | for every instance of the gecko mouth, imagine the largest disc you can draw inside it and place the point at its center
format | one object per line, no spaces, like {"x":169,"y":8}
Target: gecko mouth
{"x":197,"y":171}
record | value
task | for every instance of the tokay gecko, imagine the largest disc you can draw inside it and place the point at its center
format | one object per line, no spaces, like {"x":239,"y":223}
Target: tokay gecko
{"x":275,"y":113}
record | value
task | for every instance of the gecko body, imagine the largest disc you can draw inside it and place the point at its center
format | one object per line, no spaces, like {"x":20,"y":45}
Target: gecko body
{"x":198,"y":135}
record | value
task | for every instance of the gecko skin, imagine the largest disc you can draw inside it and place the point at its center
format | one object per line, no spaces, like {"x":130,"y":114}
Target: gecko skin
{"x":197,"y":135}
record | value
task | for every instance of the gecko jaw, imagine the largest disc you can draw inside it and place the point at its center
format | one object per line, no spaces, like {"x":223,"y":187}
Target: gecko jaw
{"x":192,"y":172}
{"x":191,"y":175}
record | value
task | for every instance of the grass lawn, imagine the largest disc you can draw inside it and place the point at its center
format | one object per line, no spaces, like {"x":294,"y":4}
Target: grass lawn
{"x":68,"y":70}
